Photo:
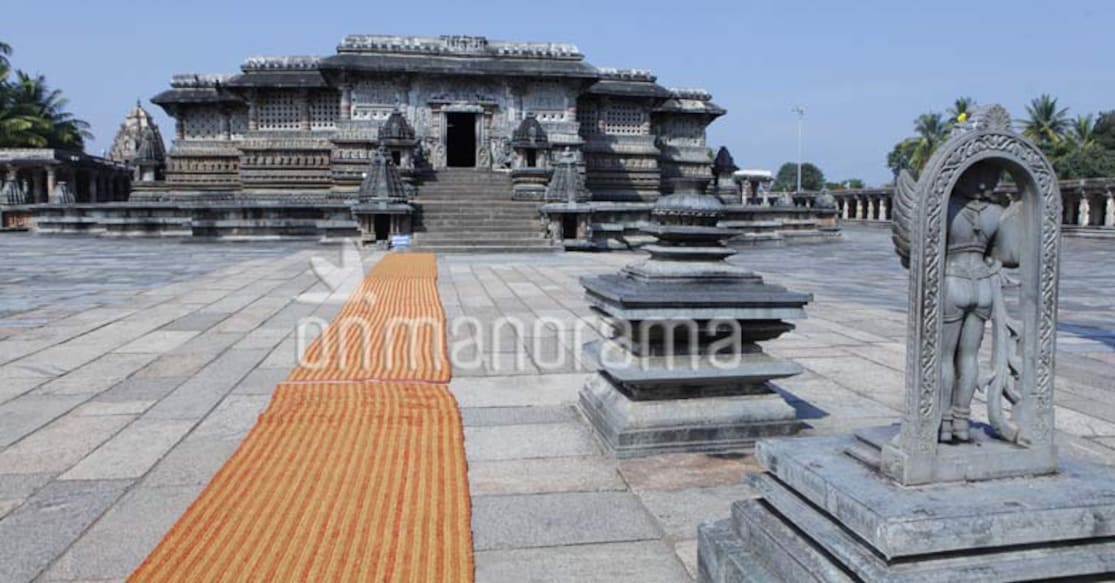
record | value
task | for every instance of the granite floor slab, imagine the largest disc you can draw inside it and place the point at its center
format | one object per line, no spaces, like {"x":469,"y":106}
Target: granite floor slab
{"x":198,"y":335}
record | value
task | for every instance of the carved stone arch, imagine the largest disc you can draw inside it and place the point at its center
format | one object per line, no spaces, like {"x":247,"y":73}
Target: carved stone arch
{"x":916,"y":447}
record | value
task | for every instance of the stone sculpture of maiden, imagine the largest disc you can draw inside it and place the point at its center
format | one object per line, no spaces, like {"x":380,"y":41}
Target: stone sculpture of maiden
{"x":983,"y":236}
{"x":957,"y":235}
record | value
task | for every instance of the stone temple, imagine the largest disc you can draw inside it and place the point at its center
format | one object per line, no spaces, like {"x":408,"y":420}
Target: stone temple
{"x":487,"y":137}
{"x":308,"y":125}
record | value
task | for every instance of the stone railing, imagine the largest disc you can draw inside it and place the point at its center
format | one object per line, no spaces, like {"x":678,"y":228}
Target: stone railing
{"x":1088,"y":203}
{"x":867,"y":204}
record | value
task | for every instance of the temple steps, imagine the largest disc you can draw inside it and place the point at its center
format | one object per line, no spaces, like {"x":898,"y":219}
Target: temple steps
{"x":471,"y":211}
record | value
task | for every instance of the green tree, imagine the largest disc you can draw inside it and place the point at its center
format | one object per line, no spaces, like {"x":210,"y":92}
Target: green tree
{"x":787,"y":178}
{"x":1104,"y":130}
{"x":900,"y":157}
{"x":931,"y":130}
{"x":57,"y":127}
{"x":1083,"y":131}
{"x":5,"y":64}
{"x":34,"y":115}
{"x":1091,"y":161}
{"x":1046,"y":124}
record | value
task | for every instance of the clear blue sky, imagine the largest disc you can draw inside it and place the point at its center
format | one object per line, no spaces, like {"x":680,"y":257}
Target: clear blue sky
{"x":863,"y":69}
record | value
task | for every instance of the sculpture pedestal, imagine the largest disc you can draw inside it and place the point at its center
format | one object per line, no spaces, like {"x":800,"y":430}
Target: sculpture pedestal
{"x":630,"y":428}
{"x":825,"y":516}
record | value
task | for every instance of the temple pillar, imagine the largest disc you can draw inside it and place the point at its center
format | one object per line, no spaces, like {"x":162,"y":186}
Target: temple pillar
{"x":226,"y":124}
{"x":346,"y":101}
{"x":1084,"y":211}
{"x":304,"y":121}
{"x":884,"y":210}
{"x":1109,"y":210}
{"x":37,"y":194}
{"x":51,"y":181}
{"x":253,"y":111}
{"x":872,"y":208}
{"x":845,"y":208}
{"x":861,"y":209}
{"x":94,"y":192}
{"x":483,"y":140}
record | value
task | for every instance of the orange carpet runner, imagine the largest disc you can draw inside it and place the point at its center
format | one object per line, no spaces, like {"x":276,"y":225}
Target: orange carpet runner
{"x":356,"y":469}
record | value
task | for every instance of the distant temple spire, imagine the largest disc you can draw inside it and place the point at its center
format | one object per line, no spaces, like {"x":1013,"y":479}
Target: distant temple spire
{"x":131,"y":134}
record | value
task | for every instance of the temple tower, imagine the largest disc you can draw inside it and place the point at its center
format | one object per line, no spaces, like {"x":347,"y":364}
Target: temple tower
{"x":136,"y":125}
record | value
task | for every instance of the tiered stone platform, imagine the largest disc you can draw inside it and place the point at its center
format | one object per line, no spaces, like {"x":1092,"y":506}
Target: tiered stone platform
{"x":825,"y":516}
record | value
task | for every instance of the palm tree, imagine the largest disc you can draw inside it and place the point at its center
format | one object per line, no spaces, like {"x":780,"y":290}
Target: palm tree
{"x":56,"y":127}
{"x":1083,"y":131}
{"x":32,"y":114}
{"x":963,"y":106}
{"x":5,"y":65}
{"x":931,"y":130}
{"x":1047,"y":124}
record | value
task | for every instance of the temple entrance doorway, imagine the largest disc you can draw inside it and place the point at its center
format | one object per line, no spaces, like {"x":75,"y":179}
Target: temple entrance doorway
{"x":460,"y":140}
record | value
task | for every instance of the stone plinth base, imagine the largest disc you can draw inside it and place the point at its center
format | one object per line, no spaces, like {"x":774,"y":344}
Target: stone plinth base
{"x":825,"y":516}
{"x":630,"y":428}
{"x":984,"y":458}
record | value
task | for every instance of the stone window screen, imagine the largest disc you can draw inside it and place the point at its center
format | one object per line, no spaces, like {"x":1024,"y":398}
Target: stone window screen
{"x":279,"y":111}
{"x":325,"y":108}
{"x":203,"y":124}
{"x":625,"y":120}
{"x":586,"y":117}
{"x":238,"y":123}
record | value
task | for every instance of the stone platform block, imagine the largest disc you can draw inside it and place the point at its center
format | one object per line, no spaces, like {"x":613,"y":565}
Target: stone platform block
{"x":629,"y":428}
{"x":826,"y":516}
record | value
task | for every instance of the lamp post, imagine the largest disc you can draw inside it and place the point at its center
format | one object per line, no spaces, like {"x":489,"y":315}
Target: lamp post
{"x":801,"y":114}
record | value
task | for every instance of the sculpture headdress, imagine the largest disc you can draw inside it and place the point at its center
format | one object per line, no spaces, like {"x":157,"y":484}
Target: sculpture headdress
{"x":989,"y":118}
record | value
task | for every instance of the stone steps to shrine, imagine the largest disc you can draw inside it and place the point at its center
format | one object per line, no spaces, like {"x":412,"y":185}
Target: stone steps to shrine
{"x":466,"y":185}
{"x":457,"y":238}
{"x":535,"y":246}
{"x":471,"y":211}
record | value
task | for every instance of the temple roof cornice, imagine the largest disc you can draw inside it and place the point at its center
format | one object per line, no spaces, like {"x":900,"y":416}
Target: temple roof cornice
{"x":457,"y":45}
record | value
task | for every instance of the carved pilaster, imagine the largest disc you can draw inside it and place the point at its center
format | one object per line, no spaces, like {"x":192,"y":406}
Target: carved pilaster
{"x":304,"y":121}
{"x":1109,"y":210}
{"x":226,"y":124}
{"x":253,"y":111}
{"x":346,"y":101}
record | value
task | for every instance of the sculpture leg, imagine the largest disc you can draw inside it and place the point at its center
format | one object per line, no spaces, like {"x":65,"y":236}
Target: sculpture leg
{"x":950,"y":338}
{"x":967,"y":364}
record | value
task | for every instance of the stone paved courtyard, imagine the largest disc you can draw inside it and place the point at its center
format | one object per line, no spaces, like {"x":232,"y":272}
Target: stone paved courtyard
{"x":131,"y":370}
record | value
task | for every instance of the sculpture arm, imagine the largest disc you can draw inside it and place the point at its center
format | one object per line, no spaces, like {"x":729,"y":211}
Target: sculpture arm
{"x":1007,"y":247}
